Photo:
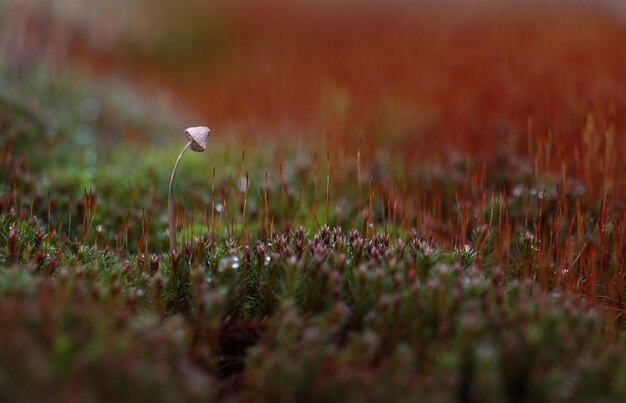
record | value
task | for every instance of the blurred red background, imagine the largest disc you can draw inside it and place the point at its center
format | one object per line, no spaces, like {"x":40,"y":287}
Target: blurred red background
{"x":417,"y":77}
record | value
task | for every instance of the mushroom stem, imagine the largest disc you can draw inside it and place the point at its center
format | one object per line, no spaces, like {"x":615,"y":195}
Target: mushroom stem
{"x":171,"y":206}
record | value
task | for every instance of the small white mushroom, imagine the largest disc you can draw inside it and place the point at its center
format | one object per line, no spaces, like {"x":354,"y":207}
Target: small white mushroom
{"x":198,"y":138}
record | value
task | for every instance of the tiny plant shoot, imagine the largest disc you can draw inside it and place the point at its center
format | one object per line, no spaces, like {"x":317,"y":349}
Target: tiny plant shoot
{"x":198,"y":137}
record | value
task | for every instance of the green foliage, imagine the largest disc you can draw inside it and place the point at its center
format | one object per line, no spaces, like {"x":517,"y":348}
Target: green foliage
{"x":298,"y":317}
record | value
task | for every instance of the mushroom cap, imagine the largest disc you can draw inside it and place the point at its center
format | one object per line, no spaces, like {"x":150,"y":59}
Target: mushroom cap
{"x":198,"y":136}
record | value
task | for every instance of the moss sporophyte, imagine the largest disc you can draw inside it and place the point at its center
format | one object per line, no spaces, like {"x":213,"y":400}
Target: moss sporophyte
{"x":198,"y":138}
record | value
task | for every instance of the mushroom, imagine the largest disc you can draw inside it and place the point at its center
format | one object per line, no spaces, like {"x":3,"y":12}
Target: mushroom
{"x":198,"y":137}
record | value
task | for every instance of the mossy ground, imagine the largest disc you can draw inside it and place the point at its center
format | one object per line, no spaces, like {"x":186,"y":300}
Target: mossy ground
{"x":305,"y":270}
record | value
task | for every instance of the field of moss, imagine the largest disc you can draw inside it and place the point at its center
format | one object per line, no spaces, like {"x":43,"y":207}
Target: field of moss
{"x":399,"y":250}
